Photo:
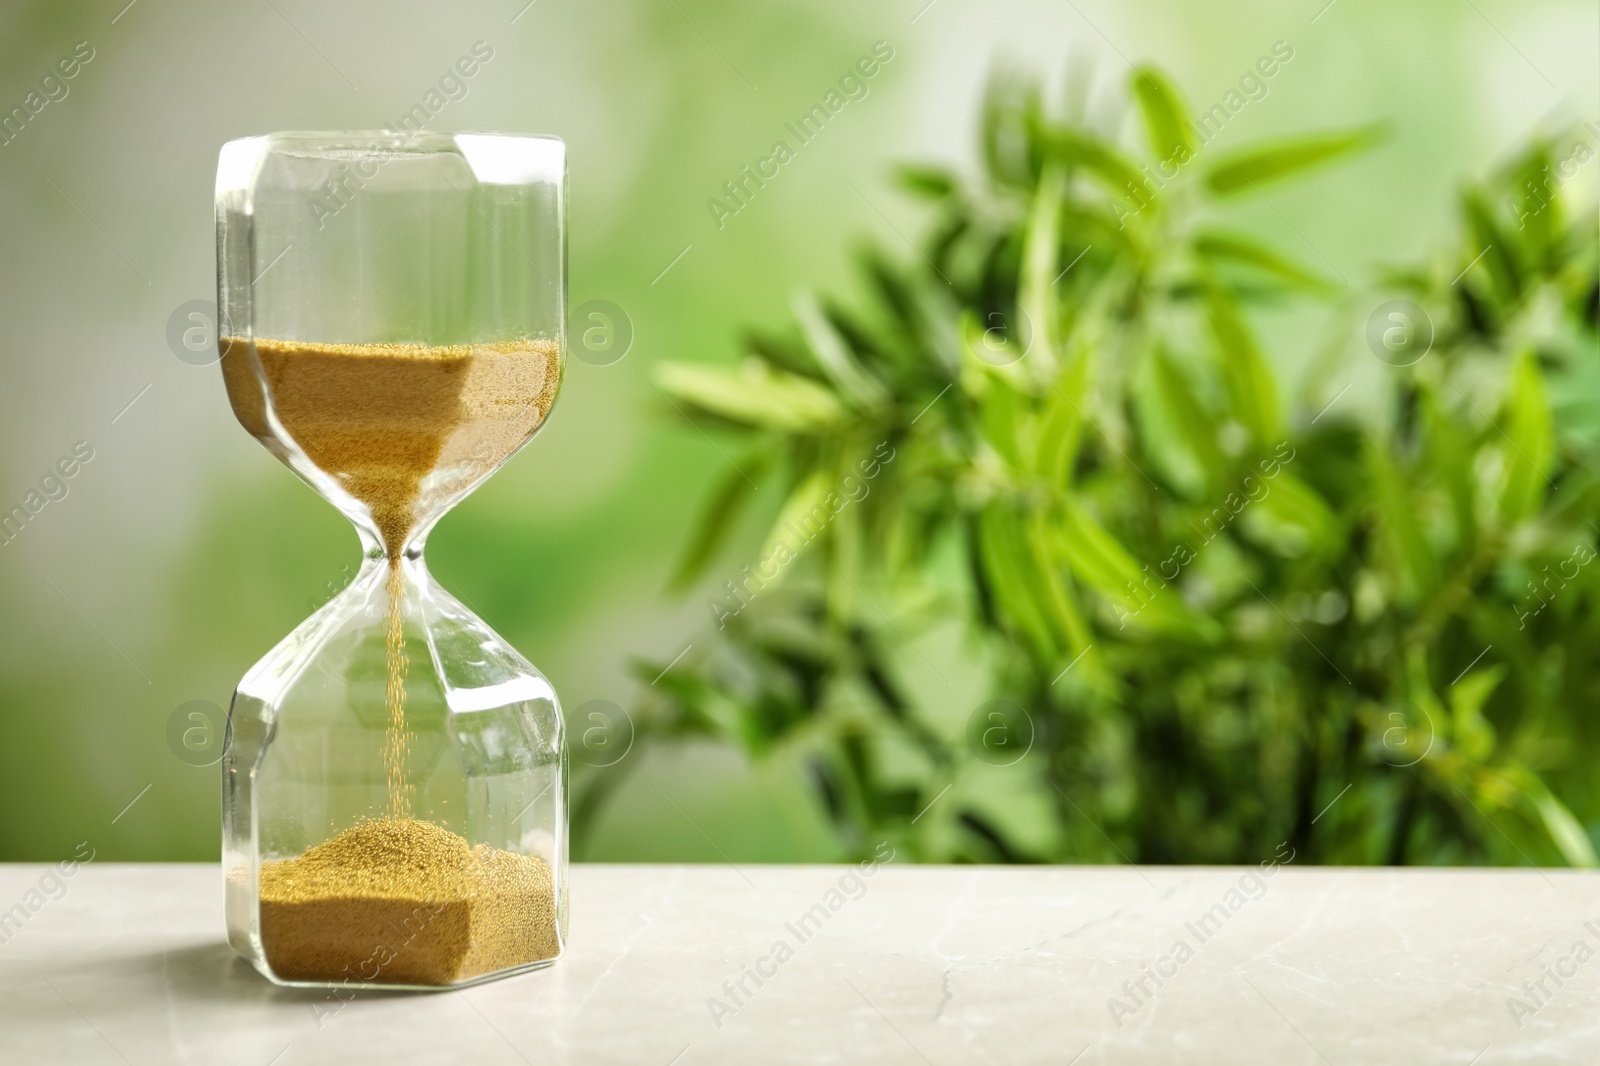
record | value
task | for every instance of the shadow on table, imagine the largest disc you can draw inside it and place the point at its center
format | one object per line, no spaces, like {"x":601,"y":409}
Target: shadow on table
{"x":215,"y":972}
{"x":201,"y":973}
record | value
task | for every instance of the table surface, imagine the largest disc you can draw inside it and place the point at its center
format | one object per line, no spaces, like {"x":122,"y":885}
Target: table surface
{"x":936,"y":965}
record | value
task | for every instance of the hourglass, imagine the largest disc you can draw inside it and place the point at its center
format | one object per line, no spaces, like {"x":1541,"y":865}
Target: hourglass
{"x":391,"y":323}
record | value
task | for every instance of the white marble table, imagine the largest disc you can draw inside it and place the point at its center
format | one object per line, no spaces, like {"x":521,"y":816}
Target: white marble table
{"x":937,"y":965}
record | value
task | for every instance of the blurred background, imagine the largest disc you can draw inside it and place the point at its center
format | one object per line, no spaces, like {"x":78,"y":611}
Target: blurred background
{"x":182,"y":551}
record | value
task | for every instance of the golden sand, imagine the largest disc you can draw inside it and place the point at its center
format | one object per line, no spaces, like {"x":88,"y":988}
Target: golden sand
{"x":405,"y":902}
{"x":380,"y":418}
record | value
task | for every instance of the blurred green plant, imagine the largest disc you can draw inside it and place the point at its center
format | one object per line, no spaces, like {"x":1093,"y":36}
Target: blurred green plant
{"x":1051,"y":455}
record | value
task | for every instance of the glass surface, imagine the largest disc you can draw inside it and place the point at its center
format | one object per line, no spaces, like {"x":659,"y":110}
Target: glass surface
{"x":392,"y":328}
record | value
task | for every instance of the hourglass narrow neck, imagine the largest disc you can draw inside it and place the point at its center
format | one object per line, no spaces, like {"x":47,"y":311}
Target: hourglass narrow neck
{"x":377,"y":546}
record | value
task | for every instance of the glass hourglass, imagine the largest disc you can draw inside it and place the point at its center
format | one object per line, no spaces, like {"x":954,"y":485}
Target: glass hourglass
{"x":391,"y":323}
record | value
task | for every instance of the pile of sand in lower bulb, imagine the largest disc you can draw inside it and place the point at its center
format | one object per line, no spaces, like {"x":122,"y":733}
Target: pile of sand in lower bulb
{"x":406,"y":902}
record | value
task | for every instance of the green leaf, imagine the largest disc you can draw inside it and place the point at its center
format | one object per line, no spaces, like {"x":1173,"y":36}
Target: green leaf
{"x":1032,"y":594}
{"x":1436,"y":722}
{"x":804,"y":516}
{"x":1218,"y":246}
{"x":1565,"y":831}
{"x":1419,"y":568}
{"x":1259,"y":164}
{"x":1101,"y":561}
{"x":1252,"y":390}
{"x":1165,"y":122}
{"x":1490,"y":248}
{"x":1002,"y":549}
{"x":1175,"y":429}
{"x":717,"y":520}
{"x":1003,"y":415}
{"x":1529,"y":441}
{"x":1003,"y":130}
{"x":1055,"y":596}
{"x":833,"y":355}
{"x":1036,"y":299}
{"x":844,"y":556}
{"x":994,"y":351}
{"x":1035,"y":131}
{"x":1449,"y":457}
{"x":934,"y":183}
{"x":754,"y":395}
{"x":781,"y":351}
{"x":1191,"y":424}
{"x":1538,"y":205}
{"x":1100,"y":159}
{"x":1061,"y":429}
{"x":1291,"y":515}
{"x":1470,"y":731}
